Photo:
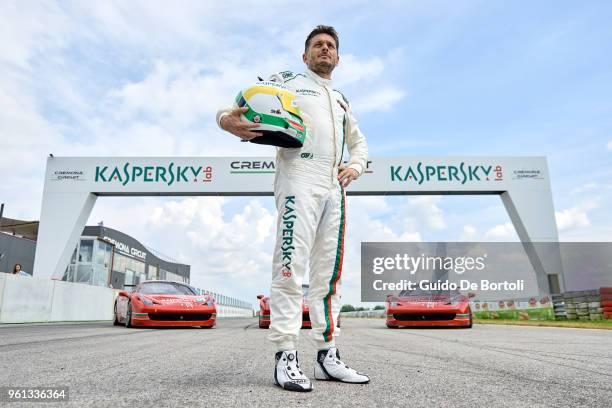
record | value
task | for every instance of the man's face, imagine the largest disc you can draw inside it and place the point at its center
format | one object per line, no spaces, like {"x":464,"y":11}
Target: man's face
{"x":322,"y":55}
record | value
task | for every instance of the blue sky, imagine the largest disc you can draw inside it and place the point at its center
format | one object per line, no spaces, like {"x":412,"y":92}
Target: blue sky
{"x":424,"y":78}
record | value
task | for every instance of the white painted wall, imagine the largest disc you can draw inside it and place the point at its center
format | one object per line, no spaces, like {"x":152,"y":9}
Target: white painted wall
{"x":224,"y":311}
{"x":78,"y":302}
{"x":32,"y":300}
{"x":35,"y":300}
{"x":2,"y":283}
{"x":26,"y":299}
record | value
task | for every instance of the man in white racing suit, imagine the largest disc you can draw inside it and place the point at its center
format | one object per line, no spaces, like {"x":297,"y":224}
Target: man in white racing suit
{"x":310,"y":199}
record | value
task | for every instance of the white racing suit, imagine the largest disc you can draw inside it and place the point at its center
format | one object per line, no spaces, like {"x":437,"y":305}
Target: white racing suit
{"x":312,"y":212}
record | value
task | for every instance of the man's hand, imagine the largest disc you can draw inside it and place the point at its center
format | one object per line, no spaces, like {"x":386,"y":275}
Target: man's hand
{"x":346,"y":175}
{"x":233,"y":124}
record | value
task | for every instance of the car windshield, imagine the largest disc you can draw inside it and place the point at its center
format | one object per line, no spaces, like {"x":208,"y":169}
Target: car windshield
{"x":165,"y":288}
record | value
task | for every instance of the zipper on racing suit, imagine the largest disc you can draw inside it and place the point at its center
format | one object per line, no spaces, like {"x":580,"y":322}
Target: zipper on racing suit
{"x":331,"y":112}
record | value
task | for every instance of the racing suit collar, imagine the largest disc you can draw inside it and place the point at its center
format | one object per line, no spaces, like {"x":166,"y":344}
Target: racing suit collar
{"x":319,"y":80}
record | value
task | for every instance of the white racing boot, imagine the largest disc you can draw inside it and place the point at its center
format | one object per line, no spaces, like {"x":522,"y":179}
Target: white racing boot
{"x":288,"y":374}
{"x":329,"y":367}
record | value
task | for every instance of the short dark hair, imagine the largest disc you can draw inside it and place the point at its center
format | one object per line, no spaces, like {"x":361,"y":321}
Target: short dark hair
{"x":322,"y":29}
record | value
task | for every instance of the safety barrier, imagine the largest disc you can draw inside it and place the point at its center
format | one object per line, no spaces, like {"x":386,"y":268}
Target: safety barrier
{"x":228,"y":312}
{"x":365,"y":314}
{"x":30,"y":300}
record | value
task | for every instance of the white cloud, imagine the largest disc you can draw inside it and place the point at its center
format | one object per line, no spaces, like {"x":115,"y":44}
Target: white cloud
{"x":111,"y":79}
{"x":575,"y":217}
{"x":571,"y":218}
{"x":353,"y":69}
{"x":25,"y":31}
{"x":609,"y":145}
{"x":468,"y":233}
{"x":81,"y":104}
{"x":425,"y":210}
{"x":231,"y":255}
{"x":501,"y":232}
{"x":374,"y":95}
{"x":379,"y":100}
{"x":182,"y":93}
{"x":590,"y":186}
{"x":150,"y":24}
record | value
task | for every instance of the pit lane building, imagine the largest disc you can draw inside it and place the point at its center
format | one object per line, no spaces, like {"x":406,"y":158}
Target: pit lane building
{"x":103,"y":256}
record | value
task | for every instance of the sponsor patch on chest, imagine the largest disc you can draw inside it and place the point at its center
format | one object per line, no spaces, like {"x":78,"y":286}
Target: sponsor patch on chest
{"x":307,"y":92}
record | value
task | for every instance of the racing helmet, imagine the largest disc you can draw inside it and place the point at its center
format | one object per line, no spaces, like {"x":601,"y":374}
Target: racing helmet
{"x":273,"y":107}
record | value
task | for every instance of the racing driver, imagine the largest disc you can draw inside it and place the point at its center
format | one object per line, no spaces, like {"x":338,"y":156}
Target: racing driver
{"x":310,"y":199}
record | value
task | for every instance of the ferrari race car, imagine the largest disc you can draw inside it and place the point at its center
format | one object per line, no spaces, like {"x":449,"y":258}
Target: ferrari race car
{"x":429,"y":308}
{"x":264,"y":310}
{"x":164,"y":303}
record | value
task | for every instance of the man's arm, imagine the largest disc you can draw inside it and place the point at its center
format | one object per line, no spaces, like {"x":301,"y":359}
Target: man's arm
{"x":357,"y":147}
{"x":223,"y":112}
{"x":231,"y":121}
{"x":356,"y":143}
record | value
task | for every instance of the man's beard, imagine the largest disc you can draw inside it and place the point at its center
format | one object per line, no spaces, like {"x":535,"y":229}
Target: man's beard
{"x":322,"y":68}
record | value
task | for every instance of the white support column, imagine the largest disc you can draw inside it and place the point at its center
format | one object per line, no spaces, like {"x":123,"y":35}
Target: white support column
{"x":533,"y":216}
{"x":62,"y":219}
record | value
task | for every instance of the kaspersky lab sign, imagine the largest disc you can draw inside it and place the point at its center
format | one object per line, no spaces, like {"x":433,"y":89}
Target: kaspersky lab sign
{"x":73,"y":184}
{"x":167,"y":173}
{"x":463,"y":173}
{"x":255,"y":175}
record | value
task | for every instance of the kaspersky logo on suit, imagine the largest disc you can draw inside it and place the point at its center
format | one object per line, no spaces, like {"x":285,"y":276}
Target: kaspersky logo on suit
{"x":287,"y":247}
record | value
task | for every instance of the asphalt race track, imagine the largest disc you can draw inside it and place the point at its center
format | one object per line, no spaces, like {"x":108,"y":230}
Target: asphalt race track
{"x":231,"y":365}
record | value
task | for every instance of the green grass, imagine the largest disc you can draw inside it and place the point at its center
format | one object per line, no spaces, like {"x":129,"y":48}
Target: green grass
{"x":597,"y":324}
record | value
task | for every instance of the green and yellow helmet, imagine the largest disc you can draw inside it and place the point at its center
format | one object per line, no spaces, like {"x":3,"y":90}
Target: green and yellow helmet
{"x":273,"y":107}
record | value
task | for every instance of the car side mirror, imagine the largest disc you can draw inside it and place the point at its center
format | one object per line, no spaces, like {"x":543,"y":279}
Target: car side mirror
{"x":123,"y":293}
{"x":471,"y":295}
{"x":260,"y":297}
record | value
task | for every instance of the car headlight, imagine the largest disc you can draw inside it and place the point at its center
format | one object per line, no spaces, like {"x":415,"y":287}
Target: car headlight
{"x":146,"y":301}
{"x":206,"y":300}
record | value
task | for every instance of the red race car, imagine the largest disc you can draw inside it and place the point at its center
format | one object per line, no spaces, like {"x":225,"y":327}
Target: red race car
{"x":164,"y":303}
{"x":429,"y":308}
{"x":264,"y":310}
